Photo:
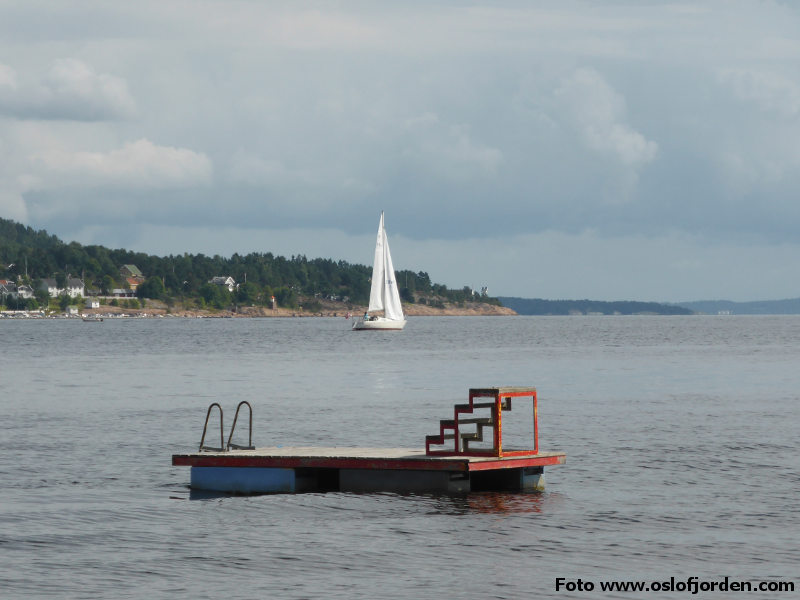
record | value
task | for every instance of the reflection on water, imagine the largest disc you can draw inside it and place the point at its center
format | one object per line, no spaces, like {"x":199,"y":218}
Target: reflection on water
{"x":507,"y":503}
{"x":499,"y":503}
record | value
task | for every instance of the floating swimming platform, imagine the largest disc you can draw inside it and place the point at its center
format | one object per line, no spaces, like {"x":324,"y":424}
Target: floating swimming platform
{"x":466,"y":455}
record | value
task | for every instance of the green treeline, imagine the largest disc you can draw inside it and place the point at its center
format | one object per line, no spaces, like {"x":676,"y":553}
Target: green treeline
{"x":36,"y":255}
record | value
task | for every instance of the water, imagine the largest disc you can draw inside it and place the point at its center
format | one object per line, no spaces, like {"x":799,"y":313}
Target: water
{"x":680,"y":433}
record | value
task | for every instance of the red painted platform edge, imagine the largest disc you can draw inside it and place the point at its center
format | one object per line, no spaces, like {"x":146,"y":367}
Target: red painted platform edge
{"x":291,"y":462}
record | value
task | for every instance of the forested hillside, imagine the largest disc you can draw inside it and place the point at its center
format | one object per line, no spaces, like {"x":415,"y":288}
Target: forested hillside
{"x":28,"y":255}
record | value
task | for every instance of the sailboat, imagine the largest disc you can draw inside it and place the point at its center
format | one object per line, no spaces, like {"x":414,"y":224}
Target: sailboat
{"x":383,"y":294}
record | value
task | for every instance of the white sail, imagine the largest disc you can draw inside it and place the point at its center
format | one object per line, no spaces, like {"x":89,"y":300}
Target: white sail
{"x":392,"y":308}
{"x":376,"y":294}
{"x":383,"y":294}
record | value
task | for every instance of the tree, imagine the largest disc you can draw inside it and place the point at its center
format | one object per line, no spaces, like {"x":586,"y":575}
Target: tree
{"x":106,"y":284}
{"x":215,"y":295}
{"x":153,"y":288}
{"x":407,"y":295}
{"x":42,"y":295}
{"x":286,"y":297}
{"x":247,"y":293}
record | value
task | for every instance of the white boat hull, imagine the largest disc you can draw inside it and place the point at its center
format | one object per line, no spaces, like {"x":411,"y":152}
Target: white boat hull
{"x":379,"y":323}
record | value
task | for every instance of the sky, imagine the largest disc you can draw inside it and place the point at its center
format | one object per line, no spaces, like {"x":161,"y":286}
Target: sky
{"x":633,"y":150}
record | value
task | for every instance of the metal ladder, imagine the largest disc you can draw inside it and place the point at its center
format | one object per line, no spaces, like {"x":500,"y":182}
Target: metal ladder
{"x":223,"y":447}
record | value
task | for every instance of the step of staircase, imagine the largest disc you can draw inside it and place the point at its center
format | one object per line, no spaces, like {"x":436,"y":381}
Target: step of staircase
{"x":468,"y":408}
{"x":437,"y":440}
{"x":478,"y":421}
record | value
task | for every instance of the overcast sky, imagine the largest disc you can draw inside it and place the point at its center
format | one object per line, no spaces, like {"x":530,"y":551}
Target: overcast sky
{"x":605,"y":150}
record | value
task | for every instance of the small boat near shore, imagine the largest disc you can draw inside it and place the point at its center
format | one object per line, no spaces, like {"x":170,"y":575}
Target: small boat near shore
{"x":92,"y":319}
{"x":383,"y":295}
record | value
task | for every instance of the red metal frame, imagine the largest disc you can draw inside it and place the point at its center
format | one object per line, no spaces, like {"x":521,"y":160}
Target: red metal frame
{"x":501,"y":400}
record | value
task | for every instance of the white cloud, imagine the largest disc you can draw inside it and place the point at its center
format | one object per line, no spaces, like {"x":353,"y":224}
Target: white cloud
{"x":447,"y":148}
{"x":598,"y":113}
{"x":70,"y":90}
{"x":138,"y":165}
{"x":770,"y":91}
{"x":8,"y":77}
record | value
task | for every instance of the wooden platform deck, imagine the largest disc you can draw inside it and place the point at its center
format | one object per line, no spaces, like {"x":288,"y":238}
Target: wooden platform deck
{"x":304,"y":469}
{"x":360,"y":458}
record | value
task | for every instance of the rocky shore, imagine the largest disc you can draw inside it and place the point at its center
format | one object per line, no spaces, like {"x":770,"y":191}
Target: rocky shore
{"x":328,"y":309}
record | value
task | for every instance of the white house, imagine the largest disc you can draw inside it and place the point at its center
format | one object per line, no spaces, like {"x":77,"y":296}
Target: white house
{"x":24,"y":291}
{"x":74,"y":289}
{"x":50,"y":286}
{"x":92,"y":303}
{"x":227,"y":282}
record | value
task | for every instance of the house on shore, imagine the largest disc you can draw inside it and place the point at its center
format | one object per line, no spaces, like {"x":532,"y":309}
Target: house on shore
{"x":223,"y":281}
{"x":9,"y":288}
{"x":74,"y":289}
{"x":132,"y":276}
{"x":123,"y":293}
{"x":126,"y":271}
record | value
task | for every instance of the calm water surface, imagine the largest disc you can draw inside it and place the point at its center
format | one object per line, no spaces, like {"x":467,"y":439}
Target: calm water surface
{"x":681,"y":435}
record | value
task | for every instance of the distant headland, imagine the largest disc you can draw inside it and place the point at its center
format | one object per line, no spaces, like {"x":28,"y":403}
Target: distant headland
{"x":537,"y":306}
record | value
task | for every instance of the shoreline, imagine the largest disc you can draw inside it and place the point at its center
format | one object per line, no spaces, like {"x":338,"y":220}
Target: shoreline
{"x":156,"y":309}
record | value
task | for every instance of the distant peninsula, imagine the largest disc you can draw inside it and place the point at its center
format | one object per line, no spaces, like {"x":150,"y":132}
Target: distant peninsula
{"x":759,"y":307}
{"x":537,"y":306}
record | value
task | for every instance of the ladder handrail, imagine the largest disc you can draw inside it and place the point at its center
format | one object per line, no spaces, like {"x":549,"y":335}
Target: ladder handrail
{"x":233,"y":427}
{"x":221,"y":431}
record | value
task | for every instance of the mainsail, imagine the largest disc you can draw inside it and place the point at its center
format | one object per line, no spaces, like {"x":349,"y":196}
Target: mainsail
{"x":384,"y":294}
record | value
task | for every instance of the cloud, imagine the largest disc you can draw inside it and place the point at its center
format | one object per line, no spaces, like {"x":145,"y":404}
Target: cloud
{"x":770,"y":91}
{"x":12,"y":206}
{"x":136,"y":183}
{"x":314,"y":29}
{"x":8,"y":77}
{"x":253,"y":170}
{"x":597,"y":112}
{"x":70,"y":90}
{"x":138,"y":165}
{"x":447,"y":149}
